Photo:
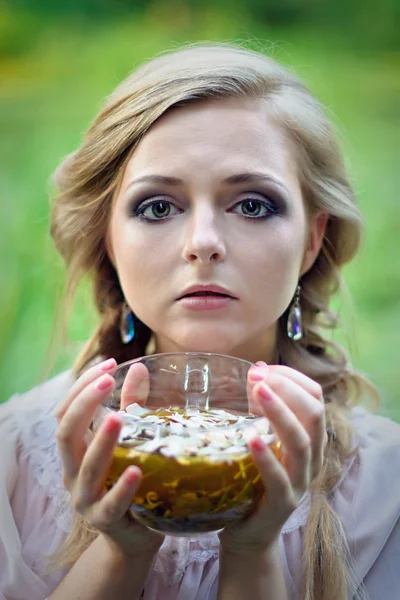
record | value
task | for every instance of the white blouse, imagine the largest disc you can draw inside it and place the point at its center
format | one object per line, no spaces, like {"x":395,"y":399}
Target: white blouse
{"x":35,"y":515}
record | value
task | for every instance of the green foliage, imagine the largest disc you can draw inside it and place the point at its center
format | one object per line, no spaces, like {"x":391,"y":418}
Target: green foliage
{"x":363,"y":23}
{"x":55,"y":73}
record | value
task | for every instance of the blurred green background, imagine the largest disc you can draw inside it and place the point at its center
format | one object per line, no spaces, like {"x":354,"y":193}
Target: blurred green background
{"x":57,"y":63}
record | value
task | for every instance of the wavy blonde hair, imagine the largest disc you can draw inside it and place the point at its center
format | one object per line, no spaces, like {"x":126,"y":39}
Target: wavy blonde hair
{"x":88,"y":180}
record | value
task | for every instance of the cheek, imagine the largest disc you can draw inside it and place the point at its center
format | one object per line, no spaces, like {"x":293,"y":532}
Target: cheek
{"x":274,"y":267}
{"x":276,"y":250}
{"x":142,"y":264}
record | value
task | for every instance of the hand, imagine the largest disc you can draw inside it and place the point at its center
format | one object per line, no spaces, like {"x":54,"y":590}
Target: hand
{"x":293,"y":403}
{"x":87,"y":458}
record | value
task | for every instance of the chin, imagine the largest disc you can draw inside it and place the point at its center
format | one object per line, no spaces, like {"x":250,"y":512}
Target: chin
{"x":210,"y":341}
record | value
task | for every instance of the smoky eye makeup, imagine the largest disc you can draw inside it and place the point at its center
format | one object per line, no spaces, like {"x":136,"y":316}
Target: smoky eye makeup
{"x":152,"y":206}
{"x":139,"y":206}
{"x":273,"y":200}
{"x":135,"y":201}
{"x":157,"y":205}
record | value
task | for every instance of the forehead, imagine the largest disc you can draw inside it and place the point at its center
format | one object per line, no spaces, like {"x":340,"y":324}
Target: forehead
{"x":220,"y":135}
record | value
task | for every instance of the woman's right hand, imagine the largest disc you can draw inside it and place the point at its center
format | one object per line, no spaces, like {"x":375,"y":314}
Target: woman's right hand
{"x":86,"y":459}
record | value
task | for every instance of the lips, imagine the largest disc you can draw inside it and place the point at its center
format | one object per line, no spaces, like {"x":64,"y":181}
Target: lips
{"x":207,"y":291}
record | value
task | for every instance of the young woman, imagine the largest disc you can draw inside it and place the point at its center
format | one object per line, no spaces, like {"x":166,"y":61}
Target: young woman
{"x":211,"y":169}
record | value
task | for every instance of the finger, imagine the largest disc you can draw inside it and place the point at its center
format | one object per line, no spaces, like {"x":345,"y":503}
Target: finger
{"x":279,"y":492}
{"x":303,"y":396}
{"x":291,"y":433}
{"x":71,"y":433}
{"x":308,"y":384}
{"x":107,"y":366}
{"x":256,"y":373}
{"x":97,"y":460}
{"x":116,"y":502}
{"x":136,"y":385}
{"x":261,"y":372}
{"x":279,"y":499}
{"x":309,"y":411}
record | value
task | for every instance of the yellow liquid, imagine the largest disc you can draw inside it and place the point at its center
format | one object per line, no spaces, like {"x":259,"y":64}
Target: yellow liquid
{"x":185,"y":495}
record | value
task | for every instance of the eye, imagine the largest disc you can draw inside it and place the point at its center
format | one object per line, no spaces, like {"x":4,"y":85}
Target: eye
{"x":158,"y":209}
{"x":254,"y":208}
{"x":155,"y":210}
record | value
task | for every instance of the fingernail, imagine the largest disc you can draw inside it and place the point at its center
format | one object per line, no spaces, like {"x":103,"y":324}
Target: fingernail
{"x":110,"y":425}
{"x":131,"y":475}
{"x":261,"y":363}
{"x":107,"y":365}
{"x":257,"y":444}
{"x":256,"y":375}
{"x":104,"y":383}
{"x":265,"y":393}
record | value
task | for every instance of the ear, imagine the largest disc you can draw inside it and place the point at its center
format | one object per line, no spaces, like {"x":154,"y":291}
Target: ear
{"x":316,"y":234}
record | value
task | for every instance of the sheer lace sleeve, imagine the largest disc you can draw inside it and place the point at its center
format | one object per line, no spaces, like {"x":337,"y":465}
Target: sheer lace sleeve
{"x":367,"y":500}
{"x":34,"y":513}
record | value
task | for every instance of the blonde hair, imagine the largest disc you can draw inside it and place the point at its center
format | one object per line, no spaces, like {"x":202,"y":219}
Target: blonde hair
{"x":87,"y":181}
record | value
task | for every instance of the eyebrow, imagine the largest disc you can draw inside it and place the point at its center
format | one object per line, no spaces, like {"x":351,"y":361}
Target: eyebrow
{"x":251,"y":176}
{"x":248,"y":177}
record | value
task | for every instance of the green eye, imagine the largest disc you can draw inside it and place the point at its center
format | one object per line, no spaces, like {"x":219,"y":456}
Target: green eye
{"x":157,"y":210}
{"x":160,"y":209}
{"x":251,"y":208}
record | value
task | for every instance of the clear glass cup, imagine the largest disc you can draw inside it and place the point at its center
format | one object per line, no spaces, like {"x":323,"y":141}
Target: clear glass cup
{"x":187,"y":419}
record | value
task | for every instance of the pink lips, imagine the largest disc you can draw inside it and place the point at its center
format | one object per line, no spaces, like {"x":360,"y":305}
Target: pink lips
{"x":206,"y":297}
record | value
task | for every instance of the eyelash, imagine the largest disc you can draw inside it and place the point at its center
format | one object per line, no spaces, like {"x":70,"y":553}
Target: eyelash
{"x":271,"y":207}
{"x":139,"y":209}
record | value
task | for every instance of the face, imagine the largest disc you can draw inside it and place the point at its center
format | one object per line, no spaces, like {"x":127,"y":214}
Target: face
{"x":210,"y":199}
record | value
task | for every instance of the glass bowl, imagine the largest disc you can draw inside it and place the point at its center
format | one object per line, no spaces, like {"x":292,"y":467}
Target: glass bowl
{"x":187,"y":419}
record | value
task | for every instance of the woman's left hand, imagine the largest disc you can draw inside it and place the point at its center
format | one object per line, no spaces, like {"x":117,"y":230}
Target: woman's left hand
{"x":294,"y":405}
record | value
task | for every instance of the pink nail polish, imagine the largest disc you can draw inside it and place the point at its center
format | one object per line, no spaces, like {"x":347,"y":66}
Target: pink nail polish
{"x":258,"y":444}
{"x":256,"y":376}
{"x":131,"y":475}
{"x":107,"y":365}
{"x":265,"y":393}
{"x":110,"y":425}
{"x":104,"y":383}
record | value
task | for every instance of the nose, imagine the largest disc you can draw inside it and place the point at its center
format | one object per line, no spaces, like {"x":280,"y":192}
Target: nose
{"x":204,"y":239}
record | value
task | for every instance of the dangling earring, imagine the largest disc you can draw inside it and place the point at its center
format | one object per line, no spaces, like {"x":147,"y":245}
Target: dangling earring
{"x":294,"y":328}
{"x":127,"y":324}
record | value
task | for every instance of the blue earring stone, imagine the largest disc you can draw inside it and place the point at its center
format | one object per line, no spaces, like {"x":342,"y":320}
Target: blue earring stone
{"x":294,"y":326}
{"x":127,"y":325}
